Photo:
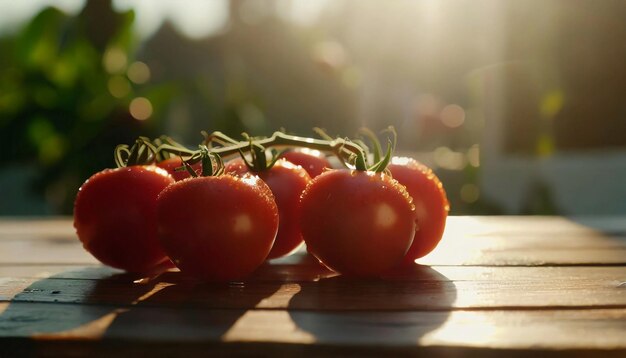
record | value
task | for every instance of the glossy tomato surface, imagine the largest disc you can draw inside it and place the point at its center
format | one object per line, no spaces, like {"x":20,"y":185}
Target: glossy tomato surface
{"x":431,"y":204}
{"x":313,"y":161}
{"x":357,"y":223}
{"x":171,"y":164}
{"x":218,"y":228}
{"x":115,"y":217}
{"x":287,"y":181}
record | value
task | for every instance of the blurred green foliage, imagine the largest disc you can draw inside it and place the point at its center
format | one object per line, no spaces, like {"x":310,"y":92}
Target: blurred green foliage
{"x":57,"y":110}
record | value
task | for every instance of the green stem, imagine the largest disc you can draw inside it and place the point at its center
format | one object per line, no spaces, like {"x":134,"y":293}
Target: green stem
{"x":219,"y":138}
{"x":340,"y":147}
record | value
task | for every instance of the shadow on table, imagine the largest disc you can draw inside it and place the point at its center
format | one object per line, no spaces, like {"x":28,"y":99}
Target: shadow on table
{"x":202,"y":315}
{"x":185,"y":310}
{"x":98,"y":311}
{"x":343,"y":312}
{"x":64,"y":303}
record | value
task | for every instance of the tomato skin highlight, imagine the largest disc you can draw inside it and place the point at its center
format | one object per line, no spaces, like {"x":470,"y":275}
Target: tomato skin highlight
{"x":431,"y":204}
{"x":313,"y":161}
{"x":172,"y":163}
{"x":115,"y":217}
{"x":287,"y":181}
{"x":217,"y":228}
{"x":357,"y":223}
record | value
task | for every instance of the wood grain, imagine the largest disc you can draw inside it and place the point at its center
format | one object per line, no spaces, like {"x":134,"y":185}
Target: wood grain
{"x":529,"y":241}
{"x":26,"y":228}
{"x":422,"y":288}
{"x":602,"y":329}
{"x":480,"y":241}
{"x":497,"y":286}
{"x":586,"y":226}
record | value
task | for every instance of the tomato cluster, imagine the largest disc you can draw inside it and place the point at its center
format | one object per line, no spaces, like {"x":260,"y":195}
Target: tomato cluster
{"x":220,"y":221}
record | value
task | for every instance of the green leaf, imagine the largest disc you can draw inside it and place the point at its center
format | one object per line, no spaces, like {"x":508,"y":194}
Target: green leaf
{"x":382,"y":164}
{"x":360,"y":162}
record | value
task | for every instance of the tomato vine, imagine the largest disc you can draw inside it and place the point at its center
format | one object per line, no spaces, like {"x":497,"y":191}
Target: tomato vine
{"x":352,"y":153}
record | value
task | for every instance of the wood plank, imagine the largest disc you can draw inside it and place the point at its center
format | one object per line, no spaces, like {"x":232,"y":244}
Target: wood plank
{"x":475,"y":255}
{"x":28,"y":228}
{"x":423,"y":288}
{"x":467,"y":241}
{"x":63,"y":252}
{"x":529,"y":241}
{"x":62,"y":227}
{"x":540,"y":330}
{"x":45,"y":271}
{"x":531,"y":225}
{"x":448,"y":253}
{"x":57,"y":297}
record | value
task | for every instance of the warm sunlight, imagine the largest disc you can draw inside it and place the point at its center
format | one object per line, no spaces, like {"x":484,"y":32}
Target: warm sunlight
{"x":421,"y":178}
{"x":484,"y":330}
{"x":458,"y":243}
{"x":253,"y":326}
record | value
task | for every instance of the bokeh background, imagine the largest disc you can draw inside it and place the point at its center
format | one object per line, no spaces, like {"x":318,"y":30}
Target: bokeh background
{"x":519,"y":106}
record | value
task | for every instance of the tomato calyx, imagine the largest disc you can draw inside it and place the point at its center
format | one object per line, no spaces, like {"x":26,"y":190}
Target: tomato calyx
{"x":212,"y":163}
{"x":378,"y":167}
{"x":142,"y":152}
{"x":380,"y":164}
{"x":367,"y":134}
{"x":258,"y":156}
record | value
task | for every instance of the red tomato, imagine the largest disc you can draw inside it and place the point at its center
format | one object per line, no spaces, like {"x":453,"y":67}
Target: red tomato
{"x":218,"y":228}
{"x":357,"y":223}
{"x":176,"y":162}
{"x":431,"y":204}
{"x":115,"y":217}
{"x":313,"y":161}
{"x":287,"y":181}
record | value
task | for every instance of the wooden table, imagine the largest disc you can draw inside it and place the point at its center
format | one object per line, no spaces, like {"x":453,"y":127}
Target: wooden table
{"x":496,"y":286}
